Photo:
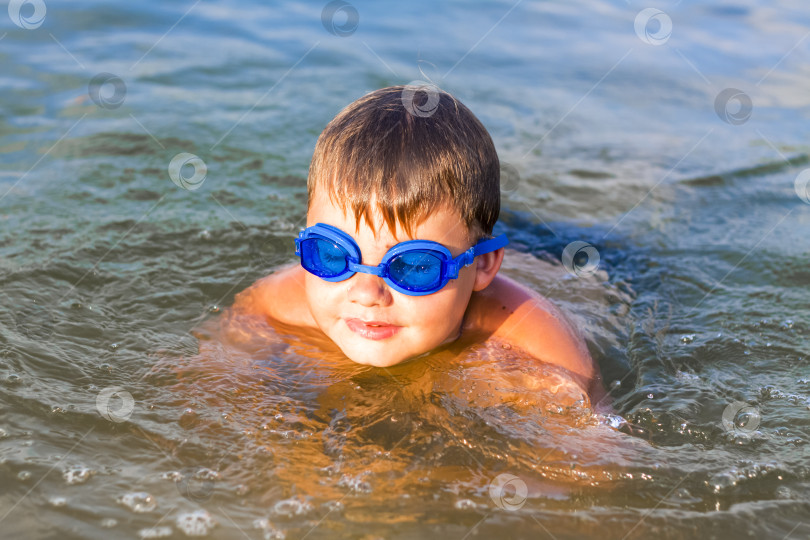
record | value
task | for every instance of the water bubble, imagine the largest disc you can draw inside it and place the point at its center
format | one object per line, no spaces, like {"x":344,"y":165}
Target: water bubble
{"x":108,"y":523}
{"x":722,"y":482}
{"x":465,"y":504}
{"x":787,"y":324}
{"x":740,"y":417}
{"x":289,"y":508}
{"x":174,"y":476}
{"x":23,"y":475}
{"x":270,"y":531}
{"x":77,"y":475}
{"x":197,"y":523}
{"x":155,"y":532}
{"x":355,"y":483}
{"x":13,"y":379}
{"x":139,"y":502}
{"x":197,"y":484}
{"x":332,"y":506}
{"x":688,"y":338}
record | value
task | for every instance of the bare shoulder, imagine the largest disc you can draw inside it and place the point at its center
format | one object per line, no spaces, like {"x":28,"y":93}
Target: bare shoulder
{"x":514,"y":313}
{"x":279,"y":296}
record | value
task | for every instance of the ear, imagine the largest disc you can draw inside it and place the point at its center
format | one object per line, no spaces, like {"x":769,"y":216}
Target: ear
{"x":487,"y":265}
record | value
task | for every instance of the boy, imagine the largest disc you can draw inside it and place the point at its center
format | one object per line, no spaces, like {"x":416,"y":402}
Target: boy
{"x":400,"y":164}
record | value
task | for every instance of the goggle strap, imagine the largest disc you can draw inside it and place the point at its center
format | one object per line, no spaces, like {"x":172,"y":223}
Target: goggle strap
{"x":490,"y":245}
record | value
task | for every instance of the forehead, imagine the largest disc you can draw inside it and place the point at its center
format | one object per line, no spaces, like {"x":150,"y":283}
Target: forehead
{"x":443,"y":224}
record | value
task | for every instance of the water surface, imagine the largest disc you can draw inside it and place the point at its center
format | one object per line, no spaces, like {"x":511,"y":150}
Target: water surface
{"x":113,"y":277}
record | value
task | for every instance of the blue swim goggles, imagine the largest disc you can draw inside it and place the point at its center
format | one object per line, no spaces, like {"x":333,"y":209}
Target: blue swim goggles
{"x":414,"y":267}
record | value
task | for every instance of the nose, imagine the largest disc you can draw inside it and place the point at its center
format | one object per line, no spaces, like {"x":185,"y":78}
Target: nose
{"x":368,"y":290}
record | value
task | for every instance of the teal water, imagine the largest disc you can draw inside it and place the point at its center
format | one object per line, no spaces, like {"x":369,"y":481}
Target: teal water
{"x":114,"y":277}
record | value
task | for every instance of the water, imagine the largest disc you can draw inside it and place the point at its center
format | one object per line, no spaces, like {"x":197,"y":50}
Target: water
{"x":127,"y":412}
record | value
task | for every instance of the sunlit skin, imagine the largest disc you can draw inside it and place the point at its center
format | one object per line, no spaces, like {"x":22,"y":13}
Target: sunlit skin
{"x":479,"y":303}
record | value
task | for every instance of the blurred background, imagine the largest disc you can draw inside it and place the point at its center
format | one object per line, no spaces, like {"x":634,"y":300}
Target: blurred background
{"x":153,"y":161}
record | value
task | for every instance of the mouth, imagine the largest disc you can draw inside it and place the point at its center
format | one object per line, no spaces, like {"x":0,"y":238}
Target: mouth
{"x":375,"y":330}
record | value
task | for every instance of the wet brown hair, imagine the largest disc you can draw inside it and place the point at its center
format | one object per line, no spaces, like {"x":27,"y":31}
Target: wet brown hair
{"x":414,"y":148}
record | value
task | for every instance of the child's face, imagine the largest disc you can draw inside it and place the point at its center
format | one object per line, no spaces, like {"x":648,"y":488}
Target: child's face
{"x":424,"y":322}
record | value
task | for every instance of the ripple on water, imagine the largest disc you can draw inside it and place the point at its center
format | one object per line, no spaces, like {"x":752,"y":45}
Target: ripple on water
{"x":196,"y":523}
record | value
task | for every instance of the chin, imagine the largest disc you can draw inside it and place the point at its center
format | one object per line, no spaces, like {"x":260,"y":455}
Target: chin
{"x":379,"y":356}
{"x":374,"y":360}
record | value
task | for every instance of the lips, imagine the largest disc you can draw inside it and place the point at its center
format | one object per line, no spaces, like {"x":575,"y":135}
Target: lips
{"x":372,"y":329}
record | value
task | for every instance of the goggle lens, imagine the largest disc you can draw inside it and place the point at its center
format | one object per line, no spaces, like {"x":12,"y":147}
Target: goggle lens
{"x":323,"y":257}
{"x":416,"y":270}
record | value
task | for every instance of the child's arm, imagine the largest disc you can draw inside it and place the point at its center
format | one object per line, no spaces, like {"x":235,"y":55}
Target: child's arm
{"x":525,"y":319}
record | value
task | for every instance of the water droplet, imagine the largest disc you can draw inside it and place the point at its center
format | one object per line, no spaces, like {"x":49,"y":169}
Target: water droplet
{"x":174,"y":476}
{"x":139,"y":502}
{"x":197,"y":523}
{"x":77,"y":475}
{"x":333,"y":506}
{"x":464,"y":504}
{"x":57,"y":501}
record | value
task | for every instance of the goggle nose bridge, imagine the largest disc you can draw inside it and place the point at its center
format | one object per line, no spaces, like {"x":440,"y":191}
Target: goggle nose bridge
{"x":379,"y":271}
